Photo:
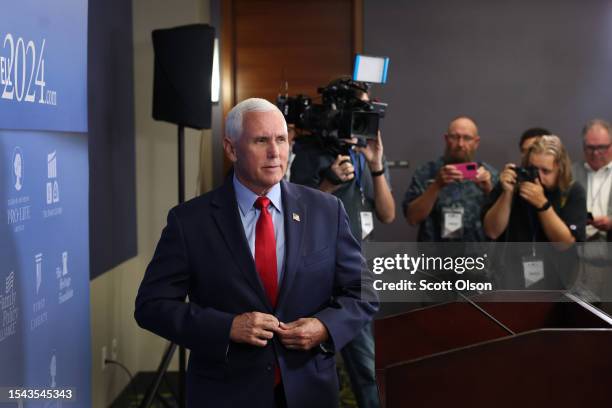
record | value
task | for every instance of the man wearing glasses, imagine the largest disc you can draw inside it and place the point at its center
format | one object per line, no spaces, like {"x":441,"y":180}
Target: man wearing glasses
{"x":445,"y":197}
{"x":595,"y":175}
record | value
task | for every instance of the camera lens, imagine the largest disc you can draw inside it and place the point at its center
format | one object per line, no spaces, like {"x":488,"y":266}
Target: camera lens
{"x":360,"y":124}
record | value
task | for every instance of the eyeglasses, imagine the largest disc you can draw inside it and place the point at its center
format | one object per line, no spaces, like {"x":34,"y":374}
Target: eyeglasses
{"x":456,"y":138}
{"x":596,"y":148}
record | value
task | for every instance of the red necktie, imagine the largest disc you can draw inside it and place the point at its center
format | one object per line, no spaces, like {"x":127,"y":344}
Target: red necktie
{"x":265,"y":250}
{"x":265,"y":258}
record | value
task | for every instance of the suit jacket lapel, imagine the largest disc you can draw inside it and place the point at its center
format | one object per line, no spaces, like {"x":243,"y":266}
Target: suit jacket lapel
{"x":609,"y":209}
{"x":225,"y":214}
{"x":295,"y":218}
{"x":582,"y":176}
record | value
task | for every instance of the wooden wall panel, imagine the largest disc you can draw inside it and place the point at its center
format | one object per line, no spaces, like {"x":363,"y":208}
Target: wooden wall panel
{"x":308,"y":43}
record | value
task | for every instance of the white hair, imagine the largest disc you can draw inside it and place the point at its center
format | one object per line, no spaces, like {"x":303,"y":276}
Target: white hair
{"x":597,"y":122}
{"x":233,"y":121}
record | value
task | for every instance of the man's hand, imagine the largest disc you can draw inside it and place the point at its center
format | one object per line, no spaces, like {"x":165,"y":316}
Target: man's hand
{"x":253,"y":328}
{"x":483,"y":180}
{"x":447,"y":175}
{"x":302,"y":334}
{"x":508,"y":178}
{"x":602,"y":223}
{"x":533,"y":193}
{"x":373,"y":152}
{"x":343,"y":168}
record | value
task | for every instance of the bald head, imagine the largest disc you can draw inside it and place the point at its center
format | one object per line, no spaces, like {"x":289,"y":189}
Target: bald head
{"x":462,"y":140}
{"x":463,"y":122}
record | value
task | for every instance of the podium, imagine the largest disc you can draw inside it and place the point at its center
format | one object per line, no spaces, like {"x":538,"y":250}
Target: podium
{"x":557,"y":353}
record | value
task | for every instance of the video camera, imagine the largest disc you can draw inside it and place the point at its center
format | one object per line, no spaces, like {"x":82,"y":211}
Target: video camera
{"x":341,"y":115}
{"x":344,"y":112}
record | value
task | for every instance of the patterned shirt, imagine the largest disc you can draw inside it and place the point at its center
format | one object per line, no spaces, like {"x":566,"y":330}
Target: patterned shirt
{"x":465,"y":194}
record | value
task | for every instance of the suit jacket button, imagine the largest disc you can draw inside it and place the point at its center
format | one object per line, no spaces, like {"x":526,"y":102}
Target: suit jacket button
{"x":269,"y":367}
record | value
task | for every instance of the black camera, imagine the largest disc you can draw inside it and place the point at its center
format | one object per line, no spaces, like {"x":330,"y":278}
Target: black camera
{"x":341,"y":114}
{"x":529,"y":173}
{"x":292,"y":108}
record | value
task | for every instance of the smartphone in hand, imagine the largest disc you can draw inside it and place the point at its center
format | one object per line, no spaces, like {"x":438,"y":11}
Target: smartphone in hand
{"x":468,"y":170}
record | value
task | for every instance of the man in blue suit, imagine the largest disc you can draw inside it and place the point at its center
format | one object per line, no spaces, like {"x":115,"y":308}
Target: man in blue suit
{"x":273,"y":276}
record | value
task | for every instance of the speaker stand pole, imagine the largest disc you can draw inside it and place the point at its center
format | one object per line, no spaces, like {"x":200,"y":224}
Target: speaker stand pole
{"x":152,"y":392}
{"x":181,"y":199}
{"x":181,"y":161}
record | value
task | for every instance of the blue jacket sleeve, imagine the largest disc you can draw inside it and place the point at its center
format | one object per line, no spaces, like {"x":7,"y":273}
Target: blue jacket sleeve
{"x":161,"y":306}
{"x":355,"y":301}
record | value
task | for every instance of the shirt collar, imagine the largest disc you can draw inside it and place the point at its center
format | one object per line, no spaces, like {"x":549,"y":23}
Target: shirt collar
{"x":246,"y":198}
{"x":590,"y":169}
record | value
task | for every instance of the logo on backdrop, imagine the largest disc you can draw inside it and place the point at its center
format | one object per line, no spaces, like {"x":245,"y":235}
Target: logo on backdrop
{"x":8,"y":304}
{"x":53,"y":371}
{"x":18,"y":169}
{"x":39,"y":307}
{"x":38,"y":260}
{"x":18,"y":212}
{"x":14,"y":84}
{"x":53,"y":194}
{"x":65,"y":281}
{"x":64,"y":263}
{"x":52,"y":186}
{"x":53,"y":382}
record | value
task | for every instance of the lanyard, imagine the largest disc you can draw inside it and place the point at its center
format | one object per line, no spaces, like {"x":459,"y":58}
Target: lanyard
{"x":533,"y":227}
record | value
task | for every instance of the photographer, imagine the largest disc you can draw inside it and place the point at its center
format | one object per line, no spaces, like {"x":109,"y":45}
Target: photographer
{"x":445,"y":205}
{"x":594,"y":174}
{"x":552,"y":195}
{"x":539,"y":202}
{"x":359,"y":177}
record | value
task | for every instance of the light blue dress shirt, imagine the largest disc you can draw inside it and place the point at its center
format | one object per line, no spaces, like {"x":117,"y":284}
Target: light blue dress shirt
{"x":249,"y":216}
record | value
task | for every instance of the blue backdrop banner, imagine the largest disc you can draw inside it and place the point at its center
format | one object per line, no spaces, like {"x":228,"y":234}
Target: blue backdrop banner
{"x":44,"y":278}
{"x":44,"y":245}
{"x":43,"y":65}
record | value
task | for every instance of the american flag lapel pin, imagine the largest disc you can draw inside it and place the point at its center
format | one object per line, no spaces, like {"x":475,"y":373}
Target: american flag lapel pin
{"x":296,"y":217}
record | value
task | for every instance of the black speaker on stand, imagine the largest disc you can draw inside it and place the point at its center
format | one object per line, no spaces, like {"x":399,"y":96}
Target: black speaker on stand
{"x":181,"y":95}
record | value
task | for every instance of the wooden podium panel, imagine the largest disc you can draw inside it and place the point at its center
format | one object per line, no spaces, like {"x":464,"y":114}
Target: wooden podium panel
{"x":545,"y":368}
{"x":431,"y":330}
{"x":522,"y":311}
{"x":454,"y":355}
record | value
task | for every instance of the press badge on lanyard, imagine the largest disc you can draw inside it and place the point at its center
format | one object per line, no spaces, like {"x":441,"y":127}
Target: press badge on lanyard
{"x":366,"y":218}
{"x":533,"y":266}
{"x":533,"y":270}
{"x":452,"y":222}
{"x":367,"y":223}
